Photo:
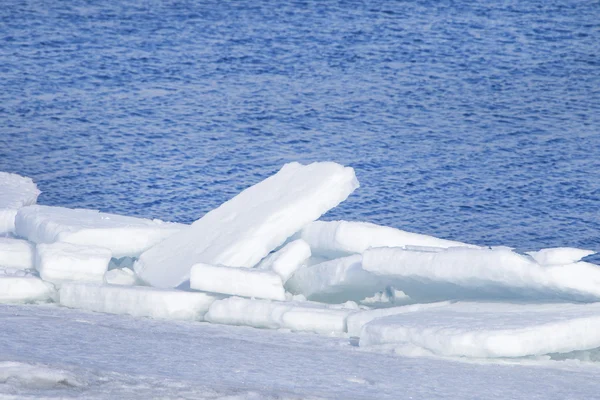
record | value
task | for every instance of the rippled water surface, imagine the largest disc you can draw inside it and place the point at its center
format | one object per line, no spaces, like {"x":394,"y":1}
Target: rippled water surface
{"x":476,"y":121}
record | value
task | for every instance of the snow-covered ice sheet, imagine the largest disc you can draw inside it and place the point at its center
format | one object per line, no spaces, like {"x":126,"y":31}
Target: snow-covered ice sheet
{"x":335,"y":281}
{"x":489,"y":330}
{"x":120,"y":276}
{"x":20,"y":287}
{"x":559,"y":255}
{"x":296,"y":316}
{"x":286,"y":260}
{"x":16,"y":253}
{"x":59,"y":262}
{"x":15,"y":192}
{"x":123,"y":235}
{"x":237,"y":281}
{"x":465,"y":273}
{"x":243,"y":230}
{"x":139,"y":301}
{"x":338,"y":238}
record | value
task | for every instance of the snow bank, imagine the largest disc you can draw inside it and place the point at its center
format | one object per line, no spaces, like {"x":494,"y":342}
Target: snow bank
{"x":139,"y":301}
{"x":59,"y":262}
{"x":246,"y":228}
{"x":286,"y":261}
{"x":335,"y":281}
{"x":20,"y":287}
{"x":487,"y":330}
{"x":16,"y":253}
{"x":559,"y":255}
{"x":296,"y":316}
{"x":237,"y":281}
{"x":338,"y":238}
{"x":465,"y":273}
{"x":124,"y":236}
{"x":120,"y":276}
{"x":15,"y":192}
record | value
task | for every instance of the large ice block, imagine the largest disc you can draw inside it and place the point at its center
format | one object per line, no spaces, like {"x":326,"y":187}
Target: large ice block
{"x":16,"y":253}
{"x":15,"y":192}
{"x":59,"y":262}
{"x":16,"y":286}
{"x":338,"y":238}
{"x":124,"y":236}
{"x":237,"y":281}
{"x":139,"y":301}
{"x":287,"y":260}
{"x":464,"y":273}
{"x":335,"y":281}
{"x":246,"y":228}
{"x":296,"y":316}
{"x":487,"y":330}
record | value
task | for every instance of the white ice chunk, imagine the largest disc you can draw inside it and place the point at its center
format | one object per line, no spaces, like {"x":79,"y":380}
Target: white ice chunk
{"x":16,"y":253}
{"x":486,"y":330}
{"x":24,"y":289}
{"x":296,"y":316}
{"x":246,"y":228}
{"x":59,"y":262}
{"x":335,"y":281}
{"x":124,"y":236}
{"x":337,"y":238}
{"x":237,"y":281}
{"x":358,"y":320}
{"x":120,"y":276}
{"x":464,"y":273}
{"x":15,"y":192}
{"x":559,"y":255}
{"x":286,"y":261}
{"x":139,"y":301}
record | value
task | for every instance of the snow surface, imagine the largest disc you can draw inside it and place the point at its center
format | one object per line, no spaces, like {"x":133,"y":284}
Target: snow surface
{"x":489,"y":330}
{"x":124,"y":236}
{"x":19,"y":287}
{"x":296,"y":316}
{"x":246,"y":228}
{"x":237,"y":281}
{"x":60,"y":262}
{"x":16,"y":253}
{"x":335,"y":281}
{"x":465,"y":273}
{"x":338,"y":238}
{"x":139,"y":301}
{"x":559,"y":255}
{"x":288,"y":259}
{"x":15,"y":192}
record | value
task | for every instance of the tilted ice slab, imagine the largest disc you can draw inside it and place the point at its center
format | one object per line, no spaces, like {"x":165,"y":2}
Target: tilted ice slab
{"x":16,"y":286}
{"x":237,"y":281}
{"x":16,"y":253}
{"x":335,"y":281}
{"x":15,"y":192}
{"x":337,"y":238}
{"x":559,"y":255}
{"x":59,"y":262}
{"x":124,"y":236}
{"x":287,"y":260}
{"x":296,"y":316}
{"x":139,"y":301}
{"x":464,"y":273}
{"x":486,"y":330}
{"x":243,"y":230}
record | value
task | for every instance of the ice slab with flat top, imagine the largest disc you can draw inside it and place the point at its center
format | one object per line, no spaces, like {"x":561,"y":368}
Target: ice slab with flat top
{"x":139,"y":301}
{"x":15,"y":192}
{"x":18,"y":286}
{"x":237,"y":281}
{"x":465,"y":273}
{"x":335,"y":281}
{"x":243,"y":230}
{"x":489,"y":330}
{"x":16,"y":253}
{"x":59,"y":262}
{"x":338,"y":238}
{"x":294,"y":315}
{"x":124,"y":236}
{"x":285,"y":261}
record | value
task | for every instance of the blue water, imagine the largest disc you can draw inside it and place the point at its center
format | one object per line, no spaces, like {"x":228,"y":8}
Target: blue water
{"x":476,"y":121}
